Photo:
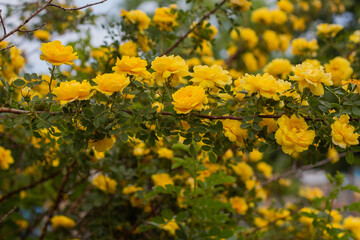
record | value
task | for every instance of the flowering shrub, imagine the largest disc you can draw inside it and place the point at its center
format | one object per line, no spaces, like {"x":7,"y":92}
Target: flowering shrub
{"x":191,"y":122}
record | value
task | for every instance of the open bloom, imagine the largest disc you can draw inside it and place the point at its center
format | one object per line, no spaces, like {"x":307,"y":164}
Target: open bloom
{"x":109,"y":83}
{"x":62,"y":222}
{"x":343,"y":133}
{"x":171,"y":68}
{"x":132,"y":66}
{"x":300,"y":46}
{"x":248,"y":36}
{"x":137,"y":17}
{"x":162,"y":179}
{"x":57,"y":54}
{"x":165,"y":18}
{"x":328,"y":30}
{"x":279,"y":68}
{"x":234,"y":132}
{"x":189,"y":98}
{"x":340,"y":69}
{"x":243,"y":5}
{"x":73,"y":90}
{"x":105,"y":183}
{"x":209,"y":77}
{"x":293,"y":134}
{"x":309,"y":76}
{"x":5,"y":158}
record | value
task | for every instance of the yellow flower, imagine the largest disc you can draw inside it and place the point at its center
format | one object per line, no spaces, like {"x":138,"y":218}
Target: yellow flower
{"x":285,"y":5}
{"x":159,"y":106}
{"x":239,"y":205}
{"x":279,"y":68}
{"x":266,"y":85}
{"x":73,"y":90}
{"x":165,"y":18}
{"x":250,"y":61}
{"x":328,"y":30}
{"x":165,"y":153}
{"x":103,"y":145}
{"x":255,"y":155}
{"x":169,"y":68}
{"x":316,"y":63}
{"x":311,"y":192}
{"x":205,"y":49}
{"x":242,"y":5}
{"x":340,"y":69}
{"x":42,"y":35}
{"x":136,"y":17}
{"x":278,"y":17}
{"x":57,"y":54}
{"x":105,"y":183}
{"x":248,"y":36}
{"x":209,"y":77}
{"x":261,"y":16}
{"x":128,"y":49}
{"x":234,"y":132}
{"x":132,"y":66}
{"x":243,"y":170}
{"x":284,"y":41}
{"x":23,"y":224}
{"x":352,"y":223}
{"x":272,"y":40}
{"x":62,"y":222}
{"x":265,"y":168}
{"x":355,"y":37}
{"x":109,"y":83}
{"x":204,"y":31}
{"x":189,"y":98}
{"x":5,"y":158}
{"x":170,"y":226}
{"x":131,"y":189}
{"x":343,"y":133}
{"x":299,"y":23}
{"x":311,"y":77}
{"x":162,"y":179}
{"x":333,"y":154}
{"x":300,"y":46}
{"x":293,"y":134}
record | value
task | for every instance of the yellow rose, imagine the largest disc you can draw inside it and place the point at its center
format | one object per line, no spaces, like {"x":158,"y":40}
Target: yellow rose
{"x":243,"y":170}
{"x":248,"y":36}
{"x":131,"y":189}
{"x":234,"y":132}
{"x":285,"y":5}
{"x":109,"y":83}
{"x":250,"y":61}
{"x":105,"y":183}
{"x":300,"y":46}
{"x":73,"y":90}
{"x":132,"y":66}
{"x":205,"y":26}
{"x":162,"y":179}
{"x":165,"y":153}
{"x":239,"y":205}
{"x":311,"y":77}
{"x":265,"y":168}
{"x":62,"y":222}
{"x":262,"y":16}
{"x":278,"y":17}
{"x":293,"y":134}
{"x":128,"y":49}
{"x":243,"y":5}
{"x":136,"y":17}
{"x":5,"y":158}
{"x":209,"y":77}
{"x":340,"y":69}
{"x":311,"y":192}
{"x":42,"y":35}
{"x":171,"y":68}
{"x":165,"y":18}
{"x":333,"y":154}
{"x":328,"y":30}
{"x":272,"y":40}
{"x":57,"y":54}
{"x":189,"y":98}
{"x":103,"y":145}
{"x":170,"y":226}
{"x":279,"y":68}
{"x":343,"y":133}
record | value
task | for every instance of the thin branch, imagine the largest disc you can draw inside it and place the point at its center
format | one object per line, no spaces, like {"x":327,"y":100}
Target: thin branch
{"x":295,"y":171}
{"x":6,"y":48}
{"x":19,"y":111}
{"x":193,"y":28}
{"x":26,"y":20}
{"x":32,"y":185}
{"x":7,"y":214}
{"x":32,"y":30}
{"x":78,"y":8}
{"x":58,"y":200}
{"x":2,"y":22}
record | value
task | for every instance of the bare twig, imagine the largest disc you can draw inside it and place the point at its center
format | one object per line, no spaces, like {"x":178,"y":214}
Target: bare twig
{"x":20,"y":111}
{"x":32,"y":30}
{"x":78,"y":8}
{"x":295,"y":171}
{"x":6,"y":48}
{"x":57,"y":201}
{"x":7,"y":214}
{"x":32,"y":185}
{"x":2,"y":22}
{"x":169,"y":50}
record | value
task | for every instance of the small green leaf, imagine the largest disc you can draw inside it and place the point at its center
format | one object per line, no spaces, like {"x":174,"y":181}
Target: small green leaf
{"x":349,"y":157}
{"x":19,"y":82}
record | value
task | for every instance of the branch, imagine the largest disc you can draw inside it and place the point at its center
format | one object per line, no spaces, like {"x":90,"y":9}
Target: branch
{"x":193,"y":28}
{"x":58,"y":199}
{"x":26,"y":20}
{"x":6,"y":48}
{"x":7,"y":214}
{"x":32,"y":30}
{"x":2,"y":22}
{"x":79,"y":8}
{"x":20,"y":111}
{"x":294,"y":171}
{"x":32,"y":185}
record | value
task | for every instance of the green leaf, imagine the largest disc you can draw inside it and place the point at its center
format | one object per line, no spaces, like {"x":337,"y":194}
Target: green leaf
{"x":123,"y":137}
{"x":256,"y":127}
{"x":349,"y":157}
{"x":212,"y":157}
{"x":19,"y":82}
{"x":245,"y":125}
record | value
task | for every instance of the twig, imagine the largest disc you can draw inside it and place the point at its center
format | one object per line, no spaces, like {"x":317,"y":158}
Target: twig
{"x":7,"y":214}
{"x":78,"y":8}
{"x":295,"y":171}
{"x":193,"y":28}
{"x":58,"y":199}
{"x":32,"y":185}
{"x":32,"y":30}
{"x":19,"y":111}
{"x":2,"y":22}
{"x":6,"y":48}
